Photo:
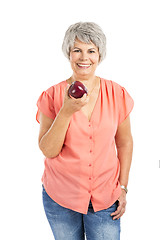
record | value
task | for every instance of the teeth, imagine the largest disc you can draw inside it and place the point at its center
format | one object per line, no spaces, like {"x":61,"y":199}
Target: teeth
{"x":83,"y":65}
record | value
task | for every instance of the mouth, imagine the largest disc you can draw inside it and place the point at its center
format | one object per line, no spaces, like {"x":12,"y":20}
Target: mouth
{"x":84,"y":66}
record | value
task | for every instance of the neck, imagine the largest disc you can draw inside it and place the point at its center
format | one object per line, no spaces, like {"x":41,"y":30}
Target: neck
{"x":89,"y":82}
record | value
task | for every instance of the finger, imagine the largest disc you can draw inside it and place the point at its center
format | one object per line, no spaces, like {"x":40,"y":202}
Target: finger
{"x":71,"y":96}
{"x":85,"y":98}
{"x":66,"y":89}
{"x":119,"y":215}
{"x":77,"y":99}
{"x":117,"y":211}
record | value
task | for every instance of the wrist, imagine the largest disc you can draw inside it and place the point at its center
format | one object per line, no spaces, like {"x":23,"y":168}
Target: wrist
{"x":65,"y":113}
{"x":124,"y":188}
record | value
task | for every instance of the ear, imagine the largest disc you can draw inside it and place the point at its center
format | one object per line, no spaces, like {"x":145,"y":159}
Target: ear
{"x":99,"y":61}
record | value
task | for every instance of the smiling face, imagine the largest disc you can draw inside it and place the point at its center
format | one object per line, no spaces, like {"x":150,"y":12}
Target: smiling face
{"x":84,"y":59}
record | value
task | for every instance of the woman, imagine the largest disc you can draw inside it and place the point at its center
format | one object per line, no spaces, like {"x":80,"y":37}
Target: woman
{"x":87,"y":143}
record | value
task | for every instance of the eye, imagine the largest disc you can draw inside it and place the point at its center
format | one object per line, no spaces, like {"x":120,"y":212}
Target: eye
{"x":91,"y":51}
{"x":76,"y":50}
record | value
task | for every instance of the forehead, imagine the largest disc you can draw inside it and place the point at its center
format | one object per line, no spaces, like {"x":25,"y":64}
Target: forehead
{"x":79,"y":44}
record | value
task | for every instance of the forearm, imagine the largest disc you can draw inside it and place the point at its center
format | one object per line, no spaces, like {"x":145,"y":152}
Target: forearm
{"x":125,"y":158}
{"x":52,"y":141}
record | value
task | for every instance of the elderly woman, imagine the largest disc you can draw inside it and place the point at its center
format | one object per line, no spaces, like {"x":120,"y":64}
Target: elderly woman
{"x":87,"y":144}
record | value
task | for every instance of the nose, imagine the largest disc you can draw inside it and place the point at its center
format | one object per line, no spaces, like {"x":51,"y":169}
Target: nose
{"x":83,"y":56}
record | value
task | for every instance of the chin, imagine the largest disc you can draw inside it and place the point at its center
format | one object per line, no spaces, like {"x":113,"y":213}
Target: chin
{"x":84,"y":75}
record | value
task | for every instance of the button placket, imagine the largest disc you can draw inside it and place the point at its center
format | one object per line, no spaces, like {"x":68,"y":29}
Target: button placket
{"x":90,"y":164}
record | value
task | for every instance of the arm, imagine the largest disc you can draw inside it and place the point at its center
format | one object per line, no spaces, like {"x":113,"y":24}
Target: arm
{"x":124,"y":144}
{"x":52,"y":132}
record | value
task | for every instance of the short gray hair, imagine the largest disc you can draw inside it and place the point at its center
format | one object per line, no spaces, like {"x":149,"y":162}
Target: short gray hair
{"x":86,"y":32}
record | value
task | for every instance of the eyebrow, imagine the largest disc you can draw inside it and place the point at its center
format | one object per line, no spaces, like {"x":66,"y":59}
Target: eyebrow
{"x":80,"y":48}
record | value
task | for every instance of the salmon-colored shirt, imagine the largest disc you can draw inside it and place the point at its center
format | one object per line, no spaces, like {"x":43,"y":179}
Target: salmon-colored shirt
{"x":87,"y":166}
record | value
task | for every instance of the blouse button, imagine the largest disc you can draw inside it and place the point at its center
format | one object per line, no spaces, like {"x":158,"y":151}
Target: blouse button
{"x":90,"y":178}
{"x":90,"y":151}
{"x":90,"y":137}
{"x":90,"y":165}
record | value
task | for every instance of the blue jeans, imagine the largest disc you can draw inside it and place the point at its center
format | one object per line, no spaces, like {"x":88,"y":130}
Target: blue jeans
{"x":67,"y":224}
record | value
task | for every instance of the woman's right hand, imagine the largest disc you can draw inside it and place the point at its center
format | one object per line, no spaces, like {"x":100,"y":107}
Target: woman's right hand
{"x":72,"y":105}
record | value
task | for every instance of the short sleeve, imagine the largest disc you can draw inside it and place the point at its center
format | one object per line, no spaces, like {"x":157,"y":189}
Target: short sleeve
{"x":126,"y":104}
{"x":45,"y":105}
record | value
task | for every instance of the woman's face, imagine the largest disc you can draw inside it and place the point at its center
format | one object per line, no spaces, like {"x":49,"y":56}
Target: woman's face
{"x":84,"y":59}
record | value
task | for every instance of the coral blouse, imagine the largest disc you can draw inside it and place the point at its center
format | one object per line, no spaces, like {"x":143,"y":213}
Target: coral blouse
{"x":87,"y":166}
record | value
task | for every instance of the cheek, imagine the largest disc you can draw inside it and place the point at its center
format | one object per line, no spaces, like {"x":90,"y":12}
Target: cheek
{"x":95,"y":59}
{"x":72,"y":61}
{"x":73,"y":57}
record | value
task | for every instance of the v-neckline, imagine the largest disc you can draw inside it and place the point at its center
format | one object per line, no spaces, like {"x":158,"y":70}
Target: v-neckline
{"x":82,"y":113}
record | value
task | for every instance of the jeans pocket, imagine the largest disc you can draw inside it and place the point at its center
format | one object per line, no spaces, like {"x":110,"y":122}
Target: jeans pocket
{"x":112,"y":208}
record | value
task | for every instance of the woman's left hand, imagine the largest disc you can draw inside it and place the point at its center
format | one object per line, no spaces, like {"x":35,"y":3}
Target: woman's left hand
{"x":121,"y":206}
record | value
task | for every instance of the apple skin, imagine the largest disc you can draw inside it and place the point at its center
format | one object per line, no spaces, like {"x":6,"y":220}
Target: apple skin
{"x":77,"y":89}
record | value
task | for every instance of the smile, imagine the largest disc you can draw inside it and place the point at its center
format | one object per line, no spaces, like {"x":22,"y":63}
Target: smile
{"x":83,"y":65}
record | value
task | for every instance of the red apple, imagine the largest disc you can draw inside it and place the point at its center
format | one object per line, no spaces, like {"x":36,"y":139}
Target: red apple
{"x":77,"y":89}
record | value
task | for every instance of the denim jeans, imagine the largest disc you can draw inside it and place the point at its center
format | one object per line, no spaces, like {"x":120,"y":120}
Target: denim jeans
{"x":67,"y":224}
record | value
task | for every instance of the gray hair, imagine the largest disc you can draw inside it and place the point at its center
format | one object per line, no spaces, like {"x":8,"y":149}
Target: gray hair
{"x":86,"y":32}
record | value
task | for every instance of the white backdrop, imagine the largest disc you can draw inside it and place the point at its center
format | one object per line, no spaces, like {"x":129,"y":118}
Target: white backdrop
{"x":31,"y":60}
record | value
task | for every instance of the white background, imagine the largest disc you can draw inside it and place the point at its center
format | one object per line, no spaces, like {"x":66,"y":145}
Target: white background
{"x":31,"y":60}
